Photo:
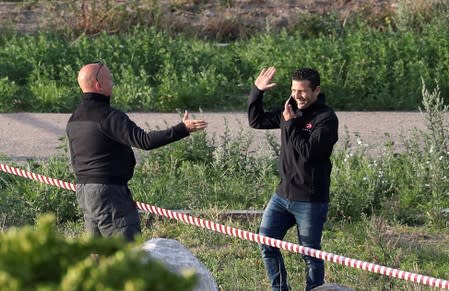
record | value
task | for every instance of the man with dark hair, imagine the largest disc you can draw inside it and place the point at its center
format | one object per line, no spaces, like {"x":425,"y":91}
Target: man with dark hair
{"x":100,"y":140}
{"x":309,"y":130}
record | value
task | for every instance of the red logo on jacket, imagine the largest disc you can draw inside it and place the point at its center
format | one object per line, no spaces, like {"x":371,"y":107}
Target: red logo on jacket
{"x":309,"y":125}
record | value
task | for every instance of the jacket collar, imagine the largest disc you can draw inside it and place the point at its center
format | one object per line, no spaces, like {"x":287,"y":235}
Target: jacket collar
{"x":97,"y":98}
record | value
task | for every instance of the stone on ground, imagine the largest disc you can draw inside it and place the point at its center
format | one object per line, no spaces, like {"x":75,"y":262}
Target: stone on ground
{"x":178,"y":258}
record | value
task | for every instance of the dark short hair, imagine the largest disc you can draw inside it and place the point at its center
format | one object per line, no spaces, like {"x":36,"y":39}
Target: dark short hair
{"x":309,"y":74}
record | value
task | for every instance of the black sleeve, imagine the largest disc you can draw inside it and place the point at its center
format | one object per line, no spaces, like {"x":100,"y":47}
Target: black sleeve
{"x":120,"y":128}
{"x":319,"y":143}
{"x":257,"y":117}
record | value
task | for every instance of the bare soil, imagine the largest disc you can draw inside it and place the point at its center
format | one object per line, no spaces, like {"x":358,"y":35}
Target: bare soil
{"x":214,"y":19}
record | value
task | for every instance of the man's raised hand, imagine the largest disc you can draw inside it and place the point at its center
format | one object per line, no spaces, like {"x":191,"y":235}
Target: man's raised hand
{"x":263,"y":81}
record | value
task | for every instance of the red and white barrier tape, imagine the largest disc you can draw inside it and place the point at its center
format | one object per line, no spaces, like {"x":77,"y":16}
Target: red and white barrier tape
{"x":246,"y":235}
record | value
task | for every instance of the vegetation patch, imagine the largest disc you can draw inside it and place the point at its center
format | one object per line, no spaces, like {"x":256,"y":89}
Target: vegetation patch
{"x":364,"y":66}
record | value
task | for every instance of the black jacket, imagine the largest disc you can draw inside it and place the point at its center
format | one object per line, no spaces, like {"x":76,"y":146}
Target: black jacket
{"x":100,"y":140}
{"x":307,"y":141}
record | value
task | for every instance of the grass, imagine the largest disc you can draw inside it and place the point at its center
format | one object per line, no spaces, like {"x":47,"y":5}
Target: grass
{"x":236,"y":264}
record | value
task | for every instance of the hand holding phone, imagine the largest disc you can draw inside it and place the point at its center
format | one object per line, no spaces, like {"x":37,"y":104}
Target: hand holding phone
{"x":288,"y":110}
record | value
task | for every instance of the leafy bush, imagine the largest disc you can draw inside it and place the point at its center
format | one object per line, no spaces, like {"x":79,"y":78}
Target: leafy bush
{"x":22,"y":200}
{"x":410,"y":186}
{"x":41,"y":259}
{"x":202,"y":173}
{"x":8,"y":91}
{"x":361,"y":67}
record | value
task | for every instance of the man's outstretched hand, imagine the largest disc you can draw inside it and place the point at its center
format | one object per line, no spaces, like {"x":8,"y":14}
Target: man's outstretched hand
{"x":193,"y":124}
{"x":263,"y":81}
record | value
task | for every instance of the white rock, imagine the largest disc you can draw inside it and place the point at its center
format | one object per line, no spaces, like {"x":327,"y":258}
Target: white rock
{"x":178,"y":258}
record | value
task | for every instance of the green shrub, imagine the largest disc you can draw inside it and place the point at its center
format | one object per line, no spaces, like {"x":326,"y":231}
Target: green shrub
{"x":22,"y":200}
{"x":409,"y":186}
{"x":41,"y":259}
{"x":8,"y":92}
{"x":361,"y":67}
{"x":202,"y":173}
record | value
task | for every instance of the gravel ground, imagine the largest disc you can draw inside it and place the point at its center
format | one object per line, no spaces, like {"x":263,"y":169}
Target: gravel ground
{"x":38,"y":135}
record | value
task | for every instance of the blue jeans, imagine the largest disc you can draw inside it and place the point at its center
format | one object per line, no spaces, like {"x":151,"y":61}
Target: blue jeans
{"x":279,"y":216}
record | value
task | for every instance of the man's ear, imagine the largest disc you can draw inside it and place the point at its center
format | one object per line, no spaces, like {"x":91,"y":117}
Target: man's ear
{"x":317,"y":90}
{"x":98,"y":86}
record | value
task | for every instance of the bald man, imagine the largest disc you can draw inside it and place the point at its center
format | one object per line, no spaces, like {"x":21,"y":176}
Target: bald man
{"x":100,"y":140}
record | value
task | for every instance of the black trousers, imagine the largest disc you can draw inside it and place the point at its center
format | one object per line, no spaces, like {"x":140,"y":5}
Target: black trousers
{"x":108,"y":210}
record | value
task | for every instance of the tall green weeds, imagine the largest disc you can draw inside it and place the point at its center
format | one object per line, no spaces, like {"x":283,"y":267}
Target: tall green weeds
{"x":362,"y":68}
{"x":409,"y":186}
{"x":202,"y":173}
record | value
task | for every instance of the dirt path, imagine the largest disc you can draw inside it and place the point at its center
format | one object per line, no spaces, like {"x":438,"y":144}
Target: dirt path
{"x":38,"y":135}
